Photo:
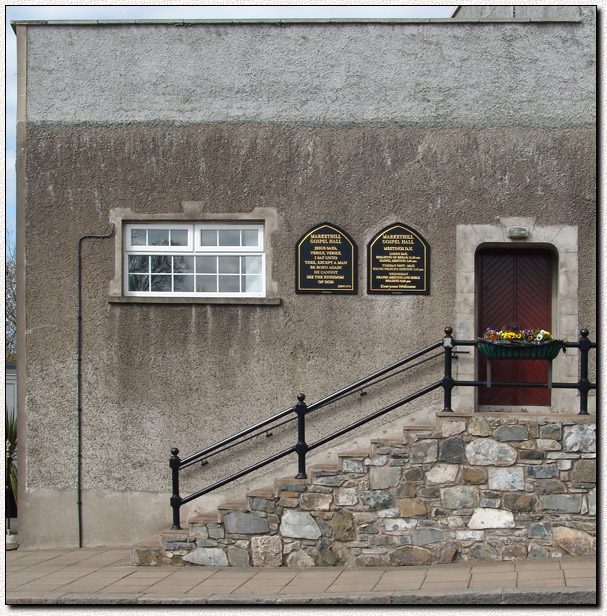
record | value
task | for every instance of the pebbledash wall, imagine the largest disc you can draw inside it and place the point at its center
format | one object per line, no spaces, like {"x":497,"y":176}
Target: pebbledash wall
{"x":457,"y":128}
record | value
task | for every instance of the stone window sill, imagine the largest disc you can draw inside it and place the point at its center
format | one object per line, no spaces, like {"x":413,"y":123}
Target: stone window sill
{"x":229,"y":301}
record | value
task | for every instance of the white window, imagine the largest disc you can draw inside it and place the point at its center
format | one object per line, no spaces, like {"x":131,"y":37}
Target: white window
{"x":197,"y":260}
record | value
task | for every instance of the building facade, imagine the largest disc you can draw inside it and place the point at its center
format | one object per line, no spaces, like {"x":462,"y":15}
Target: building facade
{"x":176,"y":179}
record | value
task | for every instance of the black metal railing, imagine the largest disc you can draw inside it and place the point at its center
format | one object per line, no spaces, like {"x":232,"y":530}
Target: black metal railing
{"x":300,"y":411}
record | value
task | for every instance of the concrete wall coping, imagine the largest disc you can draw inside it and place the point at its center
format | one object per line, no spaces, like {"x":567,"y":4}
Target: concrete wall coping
{"x":245,"y":22}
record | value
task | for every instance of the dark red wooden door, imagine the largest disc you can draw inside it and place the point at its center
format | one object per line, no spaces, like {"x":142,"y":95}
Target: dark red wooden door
{"x":516,"y":291}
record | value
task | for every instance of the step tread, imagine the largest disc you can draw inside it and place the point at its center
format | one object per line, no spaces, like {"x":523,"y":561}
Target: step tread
{"x":354,"y":454}
{"x":205,"y":517}
{"x":233,"y":505}
{"x":148,"y":543}
{"x":328,"y":465}
{"x":261,"y":492}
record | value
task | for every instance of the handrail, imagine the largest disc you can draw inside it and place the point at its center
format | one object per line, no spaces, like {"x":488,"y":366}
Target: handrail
{"x":243,"y":438}
{"x":185,"y":462}
{"x":448,"y":343}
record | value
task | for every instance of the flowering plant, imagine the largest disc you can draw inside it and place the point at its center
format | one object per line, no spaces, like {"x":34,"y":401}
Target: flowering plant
{"x":517,"y":335}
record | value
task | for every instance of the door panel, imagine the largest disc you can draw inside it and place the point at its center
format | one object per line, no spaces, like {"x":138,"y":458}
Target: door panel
{"x":515,"y":291}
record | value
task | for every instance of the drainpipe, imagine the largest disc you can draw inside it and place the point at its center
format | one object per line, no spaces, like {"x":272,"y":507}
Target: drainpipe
{"x":79,"y":376}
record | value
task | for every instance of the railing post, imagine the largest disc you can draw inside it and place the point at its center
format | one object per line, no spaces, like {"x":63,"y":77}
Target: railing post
{"x":301,"y":448}
{"x":174,"y":463}
{"x":583,"y":383}
{"x":448,"y":379}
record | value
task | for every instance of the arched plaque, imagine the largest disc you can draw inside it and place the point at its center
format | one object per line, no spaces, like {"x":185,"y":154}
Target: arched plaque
{"x":325,"y":261}
{"x":398,"y":262}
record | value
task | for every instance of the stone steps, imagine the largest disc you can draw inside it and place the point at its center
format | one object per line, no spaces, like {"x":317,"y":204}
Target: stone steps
{"x":466,"y":488}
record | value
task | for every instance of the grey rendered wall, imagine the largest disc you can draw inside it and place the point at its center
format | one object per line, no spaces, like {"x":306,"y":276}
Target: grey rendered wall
{"x":361,"y":125}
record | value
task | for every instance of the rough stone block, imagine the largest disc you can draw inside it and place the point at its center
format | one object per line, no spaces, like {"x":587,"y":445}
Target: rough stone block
{"x":592,"y":501}
{"x":411,"y":507}
{"x":352,"y":466}
{"x":469,"y":535}
{"x":384,"y":477}
{"x":584,"y":471}
{"x":399,"y":525}
{"x":507,"y":478}
{"x":243,"y":523}
{"x":315,"y":501}
{"x":552,"y":431}
{"x":574,"y":542}
{"x":345,"y":497}
{"x":216,"y":532}
{"x":549,"y":486}
{"x":581,"y":437}
{"x":564,"y":503}
{"x":343,"y":526}
{"x":474,"y":474}
{"x":406,"y":490}
{"x":478,"y":426}
{"x":531,"y":455}
{"x":424,"y":451}
{"x":540,"y":530}
{"x":266,"y":551}
{"x":451,"y":428}
{"x":410,"y":555}
{"x":452,"y":450}
{"x":333,"y":481}
{"x":543,"y":471}
{"x":460,"y":497}
{"x":300,"y":558}
{"x":238,"y":557}
{"x":484,"y":551}
{"x":427,"y":535}
{"x":442,"y":473}
{"x":547,"y":444}
{"x":210,"y":557}
{"x":413,"y":474}
{"x":299,"y":525}
{"x":487,"y":452}
{"x":511,"y":433}
{"x":491,"y":518}
{"x":514,"y":552}
{"x":376,"y":499}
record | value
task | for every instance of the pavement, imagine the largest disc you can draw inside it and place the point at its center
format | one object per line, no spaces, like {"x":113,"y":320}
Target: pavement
{"x":105,"y":576}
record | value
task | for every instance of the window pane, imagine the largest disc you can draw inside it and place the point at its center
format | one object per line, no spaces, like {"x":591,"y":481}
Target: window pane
{"x":206,"y":284}
{"x":161,"y":264}
{"x":138,"y":237}
{"x":251,"y":265}
{"x":206,"y":265}
{"x":229,"y":265}
{"x":138,"y":282}
{"x":208,"y":237}
{"x":179,"y":237}
{"x":161,"y":283}
{"x":183,"y":265}
{"x":249,"y":237}
{"x":229,"y":284}
{"x":158,"y":237}
{"x":183,"y":284}
{"x":138,"y":263}
{"x":251,"y":284}
{"x":229,"y":237}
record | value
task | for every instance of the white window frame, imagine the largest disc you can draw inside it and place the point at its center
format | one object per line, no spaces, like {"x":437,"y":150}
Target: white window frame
{"x":195,"y":249}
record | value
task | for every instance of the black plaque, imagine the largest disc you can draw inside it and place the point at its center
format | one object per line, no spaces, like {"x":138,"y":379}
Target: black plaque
{"x":398,"y":261}
{"x":325,"y":261}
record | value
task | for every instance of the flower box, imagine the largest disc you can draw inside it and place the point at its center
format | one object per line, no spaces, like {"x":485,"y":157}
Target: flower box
{"x":514,"y":349}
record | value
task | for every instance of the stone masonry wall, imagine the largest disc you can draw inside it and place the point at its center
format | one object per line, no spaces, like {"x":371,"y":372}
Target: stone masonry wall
{"x":475,"y":487}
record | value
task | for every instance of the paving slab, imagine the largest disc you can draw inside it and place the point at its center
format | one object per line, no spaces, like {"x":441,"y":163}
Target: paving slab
{"x":105,"y":576}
